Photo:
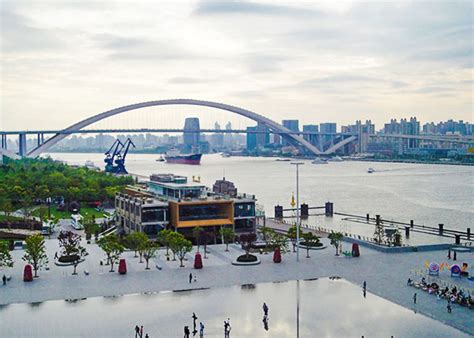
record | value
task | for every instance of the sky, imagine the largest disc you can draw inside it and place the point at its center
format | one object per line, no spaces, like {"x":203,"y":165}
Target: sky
{"x":62,"y":61}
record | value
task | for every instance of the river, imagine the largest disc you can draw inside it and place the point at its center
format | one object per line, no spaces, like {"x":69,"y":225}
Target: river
{"x":428,"y":194}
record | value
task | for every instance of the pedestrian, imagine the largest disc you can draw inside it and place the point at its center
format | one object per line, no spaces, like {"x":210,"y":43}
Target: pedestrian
{"x":364,"y":285}
{"x":449,"y":308}
{"x":190,"y":277}
{"x":147,"y":336}
{"x":201,"y":330}
{"x":265,"y":309}
{"x":454,"y":256}
{"x":414,"y":298}
{"x":194,"y":317}
{"x":4,"y":279}
{"x":137,"y":331}
{"x":141,"y":331}
{"x":186,"y":332}
{"x":56,"y":255}
{"x":226,"y":329}
{"x":449,"y":253}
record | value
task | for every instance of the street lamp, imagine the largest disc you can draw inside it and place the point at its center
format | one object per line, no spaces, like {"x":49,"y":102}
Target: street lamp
{"x":48,"y":202}
{"x":297,"y":164}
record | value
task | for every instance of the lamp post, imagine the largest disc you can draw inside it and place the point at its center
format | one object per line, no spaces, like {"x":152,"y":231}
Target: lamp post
{"x":48,"y":202}
{"x":297,"y":164}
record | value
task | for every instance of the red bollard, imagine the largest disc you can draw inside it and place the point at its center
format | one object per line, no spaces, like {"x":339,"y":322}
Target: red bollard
{"x":28,"y":273}
{"x":277,"y":256}
{"x":198,"y":261}
{"x":122,"y":266}
{"x":355,"y":250}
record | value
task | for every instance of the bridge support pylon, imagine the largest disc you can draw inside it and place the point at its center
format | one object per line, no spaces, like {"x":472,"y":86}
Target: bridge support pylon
{"x":22,"y":148}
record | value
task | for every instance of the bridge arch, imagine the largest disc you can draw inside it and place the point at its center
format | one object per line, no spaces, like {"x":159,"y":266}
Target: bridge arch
{"x":240,"y":111}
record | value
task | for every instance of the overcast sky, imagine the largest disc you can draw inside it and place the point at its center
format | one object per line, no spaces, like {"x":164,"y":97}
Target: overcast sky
{"x":62,"y":61}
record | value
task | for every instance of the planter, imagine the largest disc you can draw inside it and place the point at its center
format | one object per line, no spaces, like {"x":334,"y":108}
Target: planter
{"x":198,"y":261}
{"x":28,"y":273}
{"x":244,"y":260}
{"x":320,"y":246}
{"x":68,"y":259}
{"x":58,"y":263}
{"x":277,"y":256}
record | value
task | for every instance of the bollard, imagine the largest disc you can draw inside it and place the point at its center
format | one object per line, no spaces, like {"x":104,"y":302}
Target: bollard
{"x":412,"y":223}
{"x":457,"y":239}
{"x":304,"y":210}
{"x":440,"y":226}
{"x":367,"y":218}
{"x":278,"y":212}
{"x":407,"y":232}
{"x":468,"y":232}
{"x":329,"y":209}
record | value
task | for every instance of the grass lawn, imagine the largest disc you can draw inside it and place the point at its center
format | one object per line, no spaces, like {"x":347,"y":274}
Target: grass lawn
{"x":67,"y":214}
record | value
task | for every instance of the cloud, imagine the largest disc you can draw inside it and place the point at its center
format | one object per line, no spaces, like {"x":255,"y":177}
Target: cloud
{"x":251,"y":8}
{"x":187,"y":80}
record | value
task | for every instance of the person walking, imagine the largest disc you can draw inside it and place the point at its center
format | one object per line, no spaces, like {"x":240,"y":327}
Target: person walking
{"x":227,"y":328}
{"x":186,"y":332}
{"x":201,"y":330}
{"x":414,"y":298}
{"x":137,"y":331}
{"x":364,"y":285}
{"x":194,"y":317}
{"x":4,"y":279}
{"x":448,"y":307}
{"x":190,"y":278}
{"x":56,"y":255}
{"x":265,"y":309}
{"x":454,"y":256}
{"x":449,"y":253}
{"x":141,"y":331}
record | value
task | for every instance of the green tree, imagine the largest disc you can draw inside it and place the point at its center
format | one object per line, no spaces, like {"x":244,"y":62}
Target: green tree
{"x":267,"y":234}
{"x":35,"y":252}
{"x":90,"y":225}
{"x":7,"y":208}
{"x":135,"y":240}
{"x":279,"y":240}
{"x":246,"y":240}
{"x":336,"y":238}
{"x":148,"y":250}
{"x":6,"y":260}
{"x":112,"y":249}
{"x":163,"y":238}
{"x":310,"y":239}
{"x":180,"y":246}
{"x":197,"y":232}
{"x":70,"y":243}
{"x":228,"y":235}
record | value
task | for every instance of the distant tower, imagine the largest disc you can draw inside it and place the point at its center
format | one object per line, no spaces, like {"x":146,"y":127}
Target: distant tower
{"x":191,"y":135}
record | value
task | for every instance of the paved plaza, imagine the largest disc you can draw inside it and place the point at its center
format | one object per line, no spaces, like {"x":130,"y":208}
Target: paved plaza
{"x":385,"y":274}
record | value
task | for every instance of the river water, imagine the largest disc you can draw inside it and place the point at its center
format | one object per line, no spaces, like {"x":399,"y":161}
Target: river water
{"x":428,"y":194}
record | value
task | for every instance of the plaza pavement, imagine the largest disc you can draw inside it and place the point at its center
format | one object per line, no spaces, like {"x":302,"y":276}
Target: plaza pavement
{"x":386,"y":276}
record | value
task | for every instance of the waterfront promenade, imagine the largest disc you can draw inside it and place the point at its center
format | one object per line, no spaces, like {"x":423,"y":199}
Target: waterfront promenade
{"x":386,"y":276}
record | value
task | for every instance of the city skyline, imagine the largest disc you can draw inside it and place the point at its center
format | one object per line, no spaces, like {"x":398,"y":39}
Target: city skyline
{"x":311,"y":62}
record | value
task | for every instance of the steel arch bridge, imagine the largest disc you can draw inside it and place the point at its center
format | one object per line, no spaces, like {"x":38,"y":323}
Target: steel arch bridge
{"x":236,"y":110}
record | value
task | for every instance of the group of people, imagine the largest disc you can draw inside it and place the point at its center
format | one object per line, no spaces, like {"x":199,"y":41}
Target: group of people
{"x":453,"y":295}
{"x":187,"y":332}
{"x":139,"y":332}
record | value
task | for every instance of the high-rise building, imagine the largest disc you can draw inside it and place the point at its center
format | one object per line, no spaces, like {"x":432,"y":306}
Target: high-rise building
{"x":292,"y":125}
{"x":217,"y":139}
{"x":328,"y":129}
{"x":251,"y":138}
{"x":362,"y":131}
{"x":405,"y":127}
{"x":311,"y":128}
{"x":191,"y":135}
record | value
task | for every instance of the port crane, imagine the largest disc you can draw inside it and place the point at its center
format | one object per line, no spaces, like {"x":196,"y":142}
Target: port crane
{"x":110,"y":155}
{"x":116,"y":160}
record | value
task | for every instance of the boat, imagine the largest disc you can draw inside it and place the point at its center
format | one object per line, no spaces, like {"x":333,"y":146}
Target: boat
{"x":335,"y":159}
{"x":90,"y":165}
{"x":283,"y":160}
{"x":194,"y":159}
{"x":318,"y":160}
{"x":370,"y":170}
{"x":225,"y":155}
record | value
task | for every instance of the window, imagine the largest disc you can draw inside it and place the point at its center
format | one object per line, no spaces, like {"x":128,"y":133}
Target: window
{"x":244,"y":209}
{"x":153,"y":215}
